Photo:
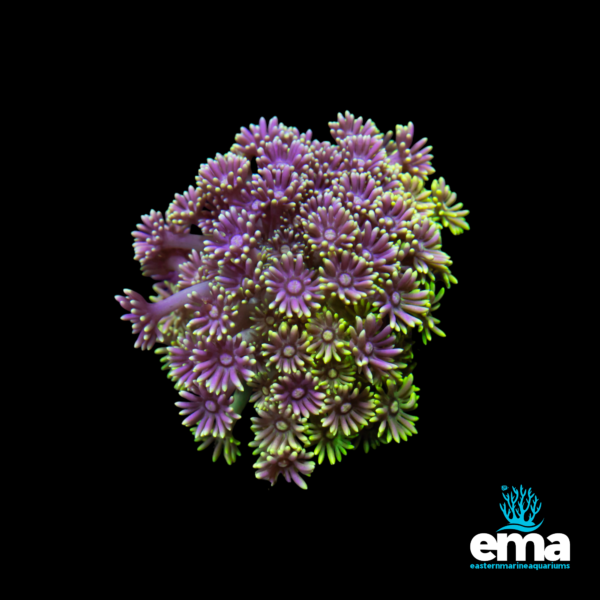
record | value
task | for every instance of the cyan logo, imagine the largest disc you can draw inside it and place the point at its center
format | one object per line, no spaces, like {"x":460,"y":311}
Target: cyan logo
{"x":520,"y":509}
{"x":517,"y":507}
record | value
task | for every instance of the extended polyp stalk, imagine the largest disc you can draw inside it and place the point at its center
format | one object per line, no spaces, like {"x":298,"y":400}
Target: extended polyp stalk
{"x":242,"y":320}
{"x":144,"y":316}
{"x":190,"y":241}
{"x":240,"y":399}
{"x":168,"y":305}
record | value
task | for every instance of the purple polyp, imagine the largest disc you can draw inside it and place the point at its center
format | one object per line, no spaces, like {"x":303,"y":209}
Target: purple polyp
{"x":329,"y":235}
{"x":294,"y":286}
{"x":345,"y":279}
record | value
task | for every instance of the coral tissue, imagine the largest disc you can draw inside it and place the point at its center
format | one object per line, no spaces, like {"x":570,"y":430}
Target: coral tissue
{"x":315,"y":268}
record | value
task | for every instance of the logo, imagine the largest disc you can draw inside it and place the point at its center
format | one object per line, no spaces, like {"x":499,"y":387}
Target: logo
{"x":516,"y":512}
{"x":520,"y":509}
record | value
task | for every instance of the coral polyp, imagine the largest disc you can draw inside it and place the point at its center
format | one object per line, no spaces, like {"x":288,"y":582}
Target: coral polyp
{"x":314,"y":273}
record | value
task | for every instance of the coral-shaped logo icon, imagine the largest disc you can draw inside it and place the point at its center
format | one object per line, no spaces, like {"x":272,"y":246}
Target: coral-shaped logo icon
{"x":516,"y":511}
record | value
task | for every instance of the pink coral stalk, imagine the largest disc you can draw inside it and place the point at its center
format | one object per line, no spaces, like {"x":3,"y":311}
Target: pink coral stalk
{"x":162,"y":247}
{"x":145,"y":316}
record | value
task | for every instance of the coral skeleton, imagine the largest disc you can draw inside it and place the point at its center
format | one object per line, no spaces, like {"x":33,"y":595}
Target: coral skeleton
{"x":313,"y":273}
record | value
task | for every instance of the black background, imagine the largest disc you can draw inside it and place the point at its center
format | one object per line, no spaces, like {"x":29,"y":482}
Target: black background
{"x":497,"y":395}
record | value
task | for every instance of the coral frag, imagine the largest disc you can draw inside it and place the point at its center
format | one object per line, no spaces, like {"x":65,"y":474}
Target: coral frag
{"x":316,"y":268}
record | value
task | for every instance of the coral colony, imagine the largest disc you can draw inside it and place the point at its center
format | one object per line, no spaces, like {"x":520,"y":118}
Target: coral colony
{"x":316,"y":270}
